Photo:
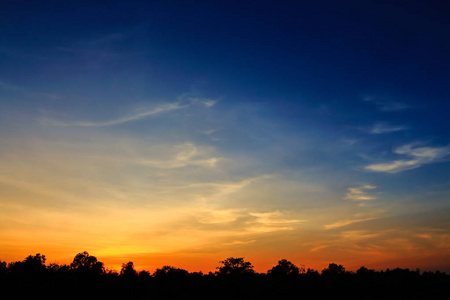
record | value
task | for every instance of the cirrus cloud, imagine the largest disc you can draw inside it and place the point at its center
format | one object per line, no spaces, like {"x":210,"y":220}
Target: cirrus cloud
{"x":379,"y":128}
{"x":418,"y":156}
{"x":124,"y":119}
{"x":360,"y":193}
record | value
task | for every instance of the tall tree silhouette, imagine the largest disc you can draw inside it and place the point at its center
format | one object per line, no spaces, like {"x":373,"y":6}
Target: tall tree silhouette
{"x":128,"y":270}
{"x":235,"y":266}
{"x":284,"y":268}
{"x":31,"y":266}
{"x":334,"y":270}
{"x":85,"y":263}
{"x":3,"y":268}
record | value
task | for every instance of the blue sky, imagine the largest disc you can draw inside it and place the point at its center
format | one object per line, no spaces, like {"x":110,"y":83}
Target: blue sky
{"x":319,"y":125}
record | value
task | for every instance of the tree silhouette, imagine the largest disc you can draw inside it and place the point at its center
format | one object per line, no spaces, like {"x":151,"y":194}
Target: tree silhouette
{"x":169,"y":272}
{"x":54,"y":267}
{"x":333,"y":269}
{"x":86,"y":278}
{"x":3,"y":268}
{"x":312,"y":272}
{"x":31,"y":266}
{"x":128,"y":270}
{"x":284,"y":268}
{"x":144,"y":274}
{"x":29,"y":275}
{"x":363,"y":271}
{"x":235,"y":266}
{"x":38,"y":260}
{"x":85,"y":263}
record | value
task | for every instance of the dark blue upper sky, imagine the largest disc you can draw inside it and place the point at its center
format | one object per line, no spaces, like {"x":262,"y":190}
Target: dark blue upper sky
{"x":318,"y":65}
{"x":296,"y":52}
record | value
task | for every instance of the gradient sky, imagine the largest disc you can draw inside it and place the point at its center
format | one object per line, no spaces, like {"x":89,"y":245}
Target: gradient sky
{"x":185,"y":132}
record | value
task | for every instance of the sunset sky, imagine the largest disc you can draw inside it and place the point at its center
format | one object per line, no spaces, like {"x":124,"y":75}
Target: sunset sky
{"x":185,"y":132}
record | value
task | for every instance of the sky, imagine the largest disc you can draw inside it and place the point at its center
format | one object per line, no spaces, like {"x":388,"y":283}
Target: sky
{"x":185,"y":132}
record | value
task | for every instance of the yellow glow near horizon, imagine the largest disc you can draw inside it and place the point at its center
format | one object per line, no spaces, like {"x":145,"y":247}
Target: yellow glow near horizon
{"x":123,"y":200}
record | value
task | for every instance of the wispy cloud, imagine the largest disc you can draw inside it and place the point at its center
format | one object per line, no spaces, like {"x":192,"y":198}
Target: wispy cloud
{"x":21,"y":90}
{"x":274,"y":218}
{"x":242,"y":222}
{"x":418,"y":156}
{"x":218,"y":216}
{"x":360,"y":193}
{"x":187,"y":154}
{"x":392,"y":106}
{"x":233,"y":243}
{"x":142,"y":114}
{"x":207,"y":102}
{"x":385,"y":105}
{"x":345,"y":222}
{"x":379,"y":128}
{"x":222,"y":189}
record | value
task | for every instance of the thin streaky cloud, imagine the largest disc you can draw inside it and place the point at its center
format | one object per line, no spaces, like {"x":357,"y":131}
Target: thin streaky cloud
{"x":419,"y":156}
{"x":392,"y":106}
{"x":125,"y":119}
{"x":176,"y":163}
{"x":379,"y":128}
{"x":274,"y":218}
{"x":395,"y":166}
{"x":346,"y":222}
{"x":207,"y":102}
{"x":227,"y":187}
{"x":360,"y":193}
{"x":384,"y":105}
{"x":187,"y":154}
{"x":238,"y":242}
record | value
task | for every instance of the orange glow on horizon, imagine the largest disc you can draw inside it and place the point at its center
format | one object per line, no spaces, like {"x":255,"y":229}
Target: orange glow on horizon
{"x":261,"y":260}
{"x":51,"y":205}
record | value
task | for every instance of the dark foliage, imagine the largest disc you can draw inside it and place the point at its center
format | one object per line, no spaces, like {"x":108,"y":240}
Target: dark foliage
{"x":235,"y":267}
{"x":284,"y":269}
{"x":128,"y":270}
{"x":85,"y":264}
{"x":86,"y":278}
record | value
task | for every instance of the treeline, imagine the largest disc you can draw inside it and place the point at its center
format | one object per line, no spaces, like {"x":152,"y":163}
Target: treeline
{"x":235,"y":278}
